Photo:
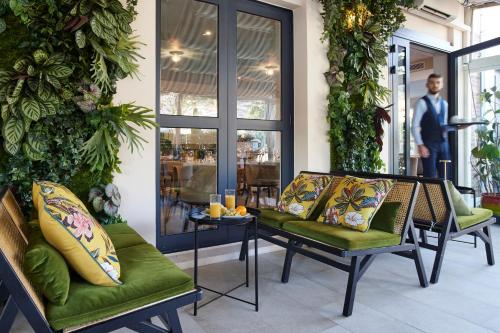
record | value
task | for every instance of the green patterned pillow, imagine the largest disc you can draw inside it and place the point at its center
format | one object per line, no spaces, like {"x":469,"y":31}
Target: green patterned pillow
{"x":303,"y":194}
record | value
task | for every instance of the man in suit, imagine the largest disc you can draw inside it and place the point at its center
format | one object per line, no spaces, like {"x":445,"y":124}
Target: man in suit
{"x":429,"y":128}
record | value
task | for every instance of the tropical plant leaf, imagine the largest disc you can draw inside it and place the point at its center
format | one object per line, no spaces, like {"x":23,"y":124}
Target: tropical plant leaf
{"x":13,"y":130}
{"x":40,"y":56}
{"x":21,"y":65}
{"x":31,"y":153}
{"x":59,"y":71}
{"x":3,"y":25}
{"x":80,"y":39}
{"x":31,"y":108}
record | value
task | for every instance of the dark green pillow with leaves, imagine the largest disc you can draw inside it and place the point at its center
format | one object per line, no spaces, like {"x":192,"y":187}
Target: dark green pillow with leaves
{"x":46,"y":268}
{"x":385,"y":217}
{"x":461,"y":207}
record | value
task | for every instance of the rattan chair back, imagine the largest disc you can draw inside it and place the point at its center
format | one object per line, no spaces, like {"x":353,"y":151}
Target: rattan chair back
{"x":13,"y":245}
{"x":432,"y":207}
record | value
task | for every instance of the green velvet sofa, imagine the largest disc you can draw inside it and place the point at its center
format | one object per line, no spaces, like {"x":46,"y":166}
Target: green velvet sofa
{"x":391,"y":231}
{"x":152,"y":285}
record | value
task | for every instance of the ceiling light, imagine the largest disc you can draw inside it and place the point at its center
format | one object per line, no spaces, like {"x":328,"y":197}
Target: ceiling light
{"x":176,"y":55}
{"x":270,"y":69}
{"x":207,"y":33}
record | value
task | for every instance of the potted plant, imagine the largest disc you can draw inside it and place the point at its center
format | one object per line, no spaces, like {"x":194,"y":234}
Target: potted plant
{"x":486,"y":155}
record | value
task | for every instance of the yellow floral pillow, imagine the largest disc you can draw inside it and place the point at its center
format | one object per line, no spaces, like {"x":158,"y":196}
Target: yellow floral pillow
{"x":355,"y":201}
{"x":68,"y":226}
{"x":303,"y":194}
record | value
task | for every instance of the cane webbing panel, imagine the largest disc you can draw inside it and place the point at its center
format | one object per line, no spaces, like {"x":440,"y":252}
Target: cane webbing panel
{"x":422,"y":211}
{"x":13,"y":247}
{"x":13,"y":209}
{"x":401,"y":192}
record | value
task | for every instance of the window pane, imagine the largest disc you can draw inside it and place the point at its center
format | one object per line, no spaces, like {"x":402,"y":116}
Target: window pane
{"x":259,"y":167}
{"x":188,"y":174}
{"x":402,"y":109}
{"x":259,"y":67}
{"x":188,"y":58}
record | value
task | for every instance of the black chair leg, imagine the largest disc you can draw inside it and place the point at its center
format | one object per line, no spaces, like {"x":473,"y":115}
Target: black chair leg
{"x":438,"y":260}
{"x":352,"y":283}
{"x":8,"y":315}
{"x":285,"y":276}
{"x":417,"y":257}
{"x":489,"y":246}
{"x":244,"y":246}
{"x":4,"y":293}
{"x":171,"y":320}
{"x":258,"y":197}
{"x":423,"y":236}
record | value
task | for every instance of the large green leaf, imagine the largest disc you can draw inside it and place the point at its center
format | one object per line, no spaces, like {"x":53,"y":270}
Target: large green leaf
{"x":13,"y":130}
{"x":31,"y":108}
{"x":59,"y":71}
{"x":40,"y":56}
{"x":31,"y":153}
{"x":5,"y":111}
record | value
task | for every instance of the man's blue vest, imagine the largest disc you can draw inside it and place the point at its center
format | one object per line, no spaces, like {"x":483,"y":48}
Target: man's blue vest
{"x":433,"y":124}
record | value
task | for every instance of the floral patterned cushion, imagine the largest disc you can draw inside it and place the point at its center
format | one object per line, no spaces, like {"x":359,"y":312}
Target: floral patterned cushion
{"x":68,"y":226}
{"x":303,"y":194}
{"x":355,"y":201}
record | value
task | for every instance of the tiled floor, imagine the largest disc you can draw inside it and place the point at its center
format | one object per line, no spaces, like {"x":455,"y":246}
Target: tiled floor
{"x":389,"y":299}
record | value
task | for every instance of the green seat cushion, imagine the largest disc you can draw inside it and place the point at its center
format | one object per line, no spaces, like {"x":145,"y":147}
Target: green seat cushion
{"x":385,"y":217}
{"x":273,"y":218}
{"x":478,"y":215}
{"x":461,"y":207}
{"x":147,"y":276}
{"x":341,"y":237}
{"x":46,"y":268}
{"x":123,"y":236}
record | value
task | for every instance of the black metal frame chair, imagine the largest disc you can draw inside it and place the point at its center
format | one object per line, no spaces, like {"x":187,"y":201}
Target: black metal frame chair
{"x":435,"y":212}
{"x":360,"y":260}
{"x":20,"y":295}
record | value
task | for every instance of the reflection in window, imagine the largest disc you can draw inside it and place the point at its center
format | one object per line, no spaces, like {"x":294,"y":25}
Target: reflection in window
{"x":259,"y":167}
{"x":188,"y":61}
{"x":259,"y":67}
{"x":188,"y":174}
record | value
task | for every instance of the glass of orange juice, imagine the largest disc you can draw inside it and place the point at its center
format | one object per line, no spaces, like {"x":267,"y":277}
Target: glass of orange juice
{"x":230,"y":199}
{"x":215,"y":206}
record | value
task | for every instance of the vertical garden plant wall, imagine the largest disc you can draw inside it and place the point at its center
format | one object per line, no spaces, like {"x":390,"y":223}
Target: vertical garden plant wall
{"x":60,"y":63}
{"x":357,"y":33}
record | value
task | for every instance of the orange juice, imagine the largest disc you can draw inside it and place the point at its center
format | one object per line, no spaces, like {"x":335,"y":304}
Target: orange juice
{"x":230,"y":201}
{"x":215,"y":210}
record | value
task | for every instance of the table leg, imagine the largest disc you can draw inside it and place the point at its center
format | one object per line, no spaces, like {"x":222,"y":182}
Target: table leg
{"x":256,"y":267}
{"x":247,"y":232}
{"x":196,"y":263}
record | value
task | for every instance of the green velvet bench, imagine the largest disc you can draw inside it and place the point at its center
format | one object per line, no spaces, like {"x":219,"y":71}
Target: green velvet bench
{"x":360,"y":248}
{"x":152,"y":285}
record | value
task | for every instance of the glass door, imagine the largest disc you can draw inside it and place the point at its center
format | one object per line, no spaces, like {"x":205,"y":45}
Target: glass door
{"x":224,"y":109}
{"x":399,"y":67}
{"x":474,"y":69}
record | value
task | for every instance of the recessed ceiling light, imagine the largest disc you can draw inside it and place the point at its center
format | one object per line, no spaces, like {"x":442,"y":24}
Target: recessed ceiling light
{"x":176,"y":55}
{"x":270,"y":69}
{"x":207,"y":33}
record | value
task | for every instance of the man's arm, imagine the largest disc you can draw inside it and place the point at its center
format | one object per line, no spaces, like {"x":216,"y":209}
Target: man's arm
{"x":420,"y":109}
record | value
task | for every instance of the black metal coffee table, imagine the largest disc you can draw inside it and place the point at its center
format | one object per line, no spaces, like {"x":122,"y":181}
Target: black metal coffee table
{"x":198,"y":217}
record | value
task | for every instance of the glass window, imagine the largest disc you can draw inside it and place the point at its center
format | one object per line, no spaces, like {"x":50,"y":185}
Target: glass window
{"x":188,"y":58}
{"x":188,"y":174}
{"x":259,"y":67}
{"x":259,"y":167}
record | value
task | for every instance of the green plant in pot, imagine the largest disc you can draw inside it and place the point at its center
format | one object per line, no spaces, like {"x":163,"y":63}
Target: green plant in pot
{"x":485,"y":157}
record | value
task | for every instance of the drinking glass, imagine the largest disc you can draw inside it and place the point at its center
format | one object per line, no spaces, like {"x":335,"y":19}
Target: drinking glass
{"x":230,"y":199}
{"x":215,"y":206}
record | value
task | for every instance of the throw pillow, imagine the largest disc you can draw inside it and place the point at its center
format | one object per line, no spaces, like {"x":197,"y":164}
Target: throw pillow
{"x":68,"y":226}
{"x":303,"y":194}
{"x":385,"y":218}
{"x":46,"y":268}
{"x":461,"y":207}
{"x":355,"y":201}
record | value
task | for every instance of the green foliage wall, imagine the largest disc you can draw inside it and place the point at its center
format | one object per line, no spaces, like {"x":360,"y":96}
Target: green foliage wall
{"x":60,"y":63}
{"x":357,"y":33}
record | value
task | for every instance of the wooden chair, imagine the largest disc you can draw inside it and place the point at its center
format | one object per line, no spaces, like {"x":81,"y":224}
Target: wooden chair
{"x":22,"y":296}
{"x":434,"y":212}
{"x":262,"y":177}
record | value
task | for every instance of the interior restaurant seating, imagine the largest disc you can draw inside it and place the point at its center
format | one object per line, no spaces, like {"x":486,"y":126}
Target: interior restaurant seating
{"x":151,"y":285}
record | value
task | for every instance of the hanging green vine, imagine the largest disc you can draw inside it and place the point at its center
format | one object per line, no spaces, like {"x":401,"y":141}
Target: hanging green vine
{"x":60,"y":63}
{"x":357,"y":33}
